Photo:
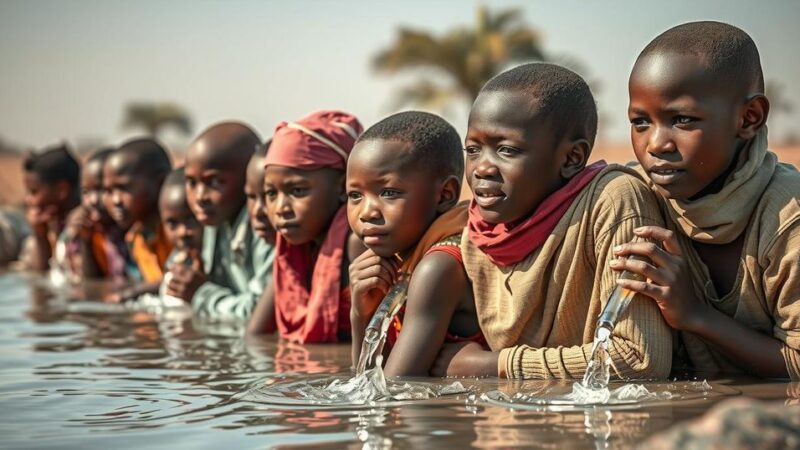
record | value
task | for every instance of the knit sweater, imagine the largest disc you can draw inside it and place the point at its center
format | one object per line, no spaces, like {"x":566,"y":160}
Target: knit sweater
{"x":541,"y":313}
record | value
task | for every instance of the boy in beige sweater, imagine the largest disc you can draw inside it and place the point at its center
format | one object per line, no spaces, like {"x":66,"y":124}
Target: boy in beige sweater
{"x":728,"y":276}
{"x":541,"y":229}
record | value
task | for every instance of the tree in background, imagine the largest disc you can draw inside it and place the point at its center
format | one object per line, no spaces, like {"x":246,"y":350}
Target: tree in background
{"x":465,"y":57}
{"x":153,"y":117}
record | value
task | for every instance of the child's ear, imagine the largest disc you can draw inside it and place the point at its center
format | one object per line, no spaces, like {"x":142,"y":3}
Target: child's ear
{"x":449,"y":194}
{"x":576,"y":158}
{"x":754,"y":116}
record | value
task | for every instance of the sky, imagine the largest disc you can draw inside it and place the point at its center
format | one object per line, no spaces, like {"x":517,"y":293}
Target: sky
{"x":68,"y":68}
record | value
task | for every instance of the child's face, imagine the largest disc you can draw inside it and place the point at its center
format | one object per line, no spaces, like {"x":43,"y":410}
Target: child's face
{"x":215,"y":192}
{"x":256,"y":203}
{"x":513,"y":162}
{"x":92,"y":191}
{"x":683,"y":124}
{"x":41,"y":195}
{"x":132,"y":197}
{"x":391,"y":200}
{"x":180,"y":226}
{"x":301,"y":203}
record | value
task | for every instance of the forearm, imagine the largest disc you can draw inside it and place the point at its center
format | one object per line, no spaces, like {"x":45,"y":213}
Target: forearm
{"x":755,"y":352}
{"x":357,"y":328}
{"x":40,"y":257}
{"x":263,"y":319}
{"x":220,"y":302}
{"x":89,"y":267}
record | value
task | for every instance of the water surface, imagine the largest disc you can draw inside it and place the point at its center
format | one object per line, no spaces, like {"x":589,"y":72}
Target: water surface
{"x":75,"y":374}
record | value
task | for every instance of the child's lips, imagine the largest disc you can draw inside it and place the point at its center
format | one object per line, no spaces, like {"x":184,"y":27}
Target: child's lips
{"x":486,"y":198}
{"x":663,"y":176}
{"x":373,"y":236}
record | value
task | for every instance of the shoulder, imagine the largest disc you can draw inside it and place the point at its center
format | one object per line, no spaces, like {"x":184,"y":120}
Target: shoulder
{"x":777,"y":216}
{"x":620,"y":194}
{"x":437,"y":276}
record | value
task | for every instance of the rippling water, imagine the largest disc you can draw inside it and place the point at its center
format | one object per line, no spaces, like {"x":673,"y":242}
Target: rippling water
{"x":86,"y":375}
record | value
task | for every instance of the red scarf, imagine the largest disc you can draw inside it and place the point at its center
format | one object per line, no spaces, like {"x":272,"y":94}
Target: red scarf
{"x":303,"y":316}
{"x":506,"y":244}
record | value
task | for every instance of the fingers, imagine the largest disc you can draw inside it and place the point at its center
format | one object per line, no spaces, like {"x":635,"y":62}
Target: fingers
{"x":666,"y":237}
{"x":643,"y":268}
{"x":651,"y":290}
{"x":655,"y":254}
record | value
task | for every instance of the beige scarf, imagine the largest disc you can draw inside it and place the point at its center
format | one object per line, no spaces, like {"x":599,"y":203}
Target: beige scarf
{"x":722,"y":217}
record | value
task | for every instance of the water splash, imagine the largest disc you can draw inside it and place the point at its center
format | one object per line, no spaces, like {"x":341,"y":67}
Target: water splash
{"x":369,"y":385}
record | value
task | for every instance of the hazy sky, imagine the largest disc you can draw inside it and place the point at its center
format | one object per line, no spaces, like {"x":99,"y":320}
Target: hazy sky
{"x":67,"y":68}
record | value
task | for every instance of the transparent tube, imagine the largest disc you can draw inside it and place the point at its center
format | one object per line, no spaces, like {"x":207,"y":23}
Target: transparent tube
{"x":617,"y":304}
{"x":375,"y":333}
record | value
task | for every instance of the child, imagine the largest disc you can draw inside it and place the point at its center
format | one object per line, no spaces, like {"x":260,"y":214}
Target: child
{"x":95,"y":245}
{"x":541,"y":227}
{"x":728,"y":276}
{"x":304,"y":189}
{"x":236,"y":264}
{"x":52,"y":190}
{"x":181,"y":228}
{"x":132,"y":179}
{"x":403,"y":182}
{"x":263,"y":318}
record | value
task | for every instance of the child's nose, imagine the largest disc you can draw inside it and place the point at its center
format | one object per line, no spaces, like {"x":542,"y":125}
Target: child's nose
{"x":485,"y":168}
{"x":661,"y":141}
{"x":370,"y":211}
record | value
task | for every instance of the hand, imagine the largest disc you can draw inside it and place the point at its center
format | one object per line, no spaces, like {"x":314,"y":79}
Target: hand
{"x":40,"y":219}
{"x":464,"y":359}
{"x":186,"y":280}
{"x":668,"y":278}
{"x":79,"y":224}
{"x":371,"y":276}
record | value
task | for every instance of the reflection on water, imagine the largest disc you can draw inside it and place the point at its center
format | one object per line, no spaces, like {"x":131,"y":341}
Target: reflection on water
{"x":77,"y":375}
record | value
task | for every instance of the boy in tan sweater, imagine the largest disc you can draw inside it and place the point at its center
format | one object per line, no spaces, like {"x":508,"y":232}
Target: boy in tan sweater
{"x":541,"y":229}
{"x":728,"y":276}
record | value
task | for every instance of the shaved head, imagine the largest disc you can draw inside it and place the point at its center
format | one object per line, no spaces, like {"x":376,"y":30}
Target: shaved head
{"x":224,"y":145}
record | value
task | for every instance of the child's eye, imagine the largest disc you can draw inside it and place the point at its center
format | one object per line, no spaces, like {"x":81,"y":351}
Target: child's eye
{"x":639,"y":122}
{"x":472,"y":150}
{"x":298,"y":192}
{"x":353,"y":196}
{"x":390,"y":193}
{"x":507,"y":150}
{"x":270,"y":193}
{"x":215,"y":183}
{"x":684,"y":120}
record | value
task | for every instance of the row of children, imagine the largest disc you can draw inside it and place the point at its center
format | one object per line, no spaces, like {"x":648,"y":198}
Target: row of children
{"x":306,"y":234}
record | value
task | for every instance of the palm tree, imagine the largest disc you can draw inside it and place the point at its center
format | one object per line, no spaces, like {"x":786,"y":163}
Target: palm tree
{"x":467,"y":57}
{"x":154,"y":117}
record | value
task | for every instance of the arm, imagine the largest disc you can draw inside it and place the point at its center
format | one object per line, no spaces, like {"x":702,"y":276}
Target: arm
{"x":263,"y":319}
{"x":437,"y":286}
{"x":371,"y":276}
{"x":222,"y":302}
{"x":669,"y":286}
{"x":40,"y":252}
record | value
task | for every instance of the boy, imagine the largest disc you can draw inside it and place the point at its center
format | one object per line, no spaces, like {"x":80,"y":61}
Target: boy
{"x":728,"y":276}
{"x":236,"y":263}
{"x":305,"y":196}
{"x":541,"y":228}
{"x":263,"y":318}
{"x":52,"y":190}
{"x":403,"y":182}
{"x":95,"y":245}
{"x":132,"y":179}
{"x":181,"y":228}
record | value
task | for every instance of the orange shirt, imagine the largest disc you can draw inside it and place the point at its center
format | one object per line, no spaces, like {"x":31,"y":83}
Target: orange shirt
{"x":149,"y":251}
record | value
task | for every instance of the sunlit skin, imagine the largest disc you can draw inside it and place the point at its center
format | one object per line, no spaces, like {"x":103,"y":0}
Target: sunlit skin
{"x":256,"y":202}
{"x":687,"y":128}
{"x":45,"y":202}
{"x":92,"y":193}
{"x":684,"y":125}
{"x":514,"y":162}
{"x":392,"y":201}
{"x":214,"y":186}
{"x":506,"y":143}
{"x":132,"y":197}
{"x":180,"y":226}
{"x":301,"y":203}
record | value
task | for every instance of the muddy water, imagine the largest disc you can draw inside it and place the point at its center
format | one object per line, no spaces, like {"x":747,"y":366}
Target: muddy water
{"x":82,"y":375}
